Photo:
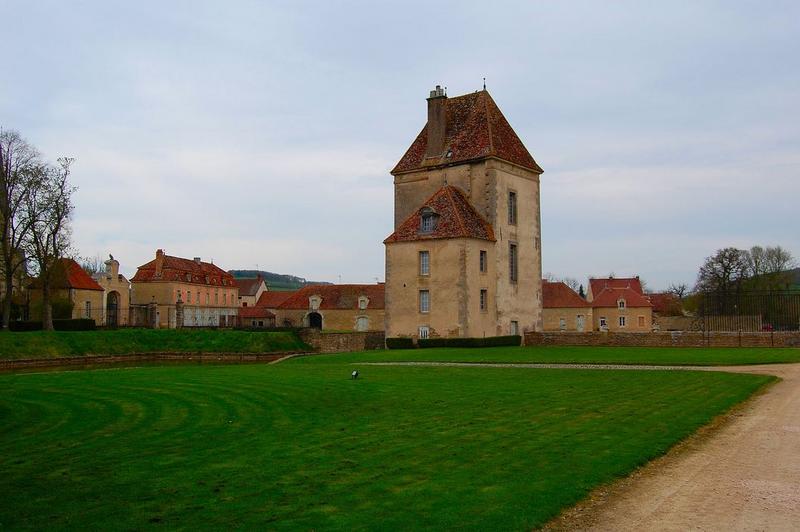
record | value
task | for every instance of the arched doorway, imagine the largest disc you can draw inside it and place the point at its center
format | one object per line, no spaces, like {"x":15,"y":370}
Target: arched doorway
{"x":315,"y":320}
{"x":112,"y":309}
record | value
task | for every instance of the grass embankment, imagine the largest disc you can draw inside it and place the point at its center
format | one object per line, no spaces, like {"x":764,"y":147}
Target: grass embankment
{"x":41,"y":344}
{"x":299,"y":445}
{"x":690,"y":356}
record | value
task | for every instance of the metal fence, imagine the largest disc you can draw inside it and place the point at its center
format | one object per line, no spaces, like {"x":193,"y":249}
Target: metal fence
{"x":749,"y":311}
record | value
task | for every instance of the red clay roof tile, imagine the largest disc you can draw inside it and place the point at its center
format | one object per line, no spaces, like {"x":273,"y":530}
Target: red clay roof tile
{"x":69,"y":274}
{"x":274,"y":299}
{"x":559,"y":295}
{"x":476,"y":129}
{"x":609,"y":297}
{"x":177,"y":269}
{"x":337,"y":296}
{"x":456,"y":218}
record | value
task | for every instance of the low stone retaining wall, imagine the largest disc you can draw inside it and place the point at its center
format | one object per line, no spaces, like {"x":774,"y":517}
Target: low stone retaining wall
{"x":666,"y":339}
{"x":90,"y":360}
{"x":342,"y":342}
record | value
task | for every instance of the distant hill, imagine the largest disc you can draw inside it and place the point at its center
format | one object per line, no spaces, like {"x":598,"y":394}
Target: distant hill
{"x":275,"y":281}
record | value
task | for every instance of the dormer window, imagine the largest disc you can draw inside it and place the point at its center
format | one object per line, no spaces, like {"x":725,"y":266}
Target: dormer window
{"x":362,"y":303}
{"x":621,"y":304}
{"x":428,"y":222}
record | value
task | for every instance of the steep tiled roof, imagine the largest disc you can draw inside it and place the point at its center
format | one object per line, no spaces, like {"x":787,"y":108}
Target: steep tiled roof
{"x":456,"y":219}
{"x":255,"y":312}
{"x":68,"y":274}
{"x":597,"y":285}
{"x":475,"y":129}
{"x":337,"y":296}
{"x":559,"y":295}
{"x":177,"y":269}
{"x":274,"y":299}
{"x":248,"y":287}
{"x":608,"y":297}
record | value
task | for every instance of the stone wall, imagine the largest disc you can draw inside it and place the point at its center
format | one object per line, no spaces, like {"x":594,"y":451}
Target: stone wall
{"x":342,"y":342}
{"x":666,"y":339}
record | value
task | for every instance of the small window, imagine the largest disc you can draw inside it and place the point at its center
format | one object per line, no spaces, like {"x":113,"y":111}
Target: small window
{"x":424,"y":263}
{"x":362,"y":323}
{"x":562,"y":324}
{"x":483,"y":261}
{"x":424,"y":332}
{"x":512,"y":208}
{"x":208,"y":298}
{"x":188,"y":296}
{"x":514,"y":328}
{"x":622,"y":321}
{"x":621,"y":304}
{"x":216,"y":298}
{"x":424,"y":301}
{"x":484,"y":298}
{"x":641,"y":321}
{"x":428,"y":221}
{"x":603,"y":321}
{"x":512,"y":262}
{"x":88,"y":309}
{"x":253,"y":323}
{"x":260,"y":323}
{"x":244,"y":303}
{"x":362,"y":303}
{"x":178,"y":295}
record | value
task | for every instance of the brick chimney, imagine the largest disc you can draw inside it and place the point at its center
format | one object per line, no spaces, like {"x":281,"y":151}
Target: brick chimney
{"x":437,"y":122}
{"x":159,"y":262}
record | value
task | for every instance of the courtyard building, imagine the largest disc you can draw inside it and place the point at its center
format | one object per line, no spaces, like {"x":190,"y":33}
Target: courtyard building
{"x":620,"y":305}
{"x":73,"y":294}
{"x":250,"y":289}
{"x":207,"y":294}
{"x":464,"y":259}
{"x":116,"y":294}
{"x":563,"y":309}
{"x":335,"y":307}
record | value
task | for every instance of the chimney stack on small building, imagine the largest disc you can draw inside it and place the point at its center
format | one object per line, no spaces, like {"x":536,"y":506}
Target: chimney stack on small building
{"x":437,"y":122}
{"x":159,"y":262}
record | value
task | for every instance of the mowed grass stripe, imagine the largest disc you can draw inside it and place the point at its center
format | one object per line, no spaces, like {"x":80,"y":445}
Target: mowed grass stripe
{"x":300,"y":445}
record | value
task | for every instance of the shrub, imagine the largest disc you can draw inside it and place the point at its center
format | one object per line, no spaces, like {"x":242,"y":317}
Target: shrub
{"x":491,"y":341}
{"x":400,"y":343}
{"x":59,"y":325}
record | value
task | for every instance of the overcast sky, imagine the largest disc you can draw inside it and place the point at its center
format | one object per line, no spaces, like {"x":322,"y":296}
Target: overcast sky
{"x":262,"y":133}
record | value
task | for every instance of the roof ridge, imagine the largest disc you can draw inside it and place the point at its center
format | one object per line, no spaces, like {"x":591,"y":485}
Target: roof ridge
{"x":488,"y":124}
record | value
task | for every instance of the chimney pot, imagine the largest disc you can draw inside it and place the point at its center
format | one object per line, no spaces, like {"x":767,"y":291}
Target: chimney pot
{"x":197,"y":260}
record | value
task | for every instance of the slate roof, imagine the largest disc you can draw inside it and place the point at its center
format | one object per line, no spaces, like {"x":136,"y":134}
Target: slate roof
{"x":457,"y":218}
{"x":248,"y":287}
{"x":559,"y":295}
{"x":274,"y":299}
{"x":69,"y":274}
{"x":177,"y":269}
{"x":476,"y":129}
{"x":337,"y":296}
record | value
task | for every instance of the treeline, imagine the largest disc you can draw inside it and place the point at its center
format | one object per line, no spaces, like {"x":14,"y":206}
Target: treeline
{"x":35,"y":211}
{"x":758,"y":269}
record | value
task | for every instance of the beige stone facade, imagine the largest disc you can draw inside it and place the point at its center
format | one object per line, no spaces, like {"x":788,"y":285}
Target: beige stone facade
{"x":116,"y":294}
{"x":464,"y":301}
{"x":629,"y":319}
{"x":209,"y":294}
{"x":567,"y":319}
{"x":334,"y":308}
{"x":620,"y":305}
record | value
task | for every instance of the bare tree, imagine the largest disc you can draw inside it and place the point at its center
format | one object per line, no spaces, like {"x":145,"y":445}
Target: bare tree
{"x":20,"y":172}
{"x":777,"y":260}
{"x":724,"y":271}
{"x":571,"y":282}
{"x":50,"y":205}
{"x":92,"y":265}
{"x":679,"y":290}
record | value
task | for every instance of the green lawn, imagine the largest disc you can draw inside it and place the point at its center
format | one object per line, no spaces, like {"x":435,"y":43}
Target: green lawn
{"x":41,"y":344}
{"x":299,"y":445}
{"x":692,"y":356}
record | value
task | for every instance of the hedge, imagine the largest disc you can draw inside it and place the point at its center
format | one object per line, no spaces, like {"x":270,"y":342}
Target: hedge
{"x":400,"y":343}
{"x":491,"y":341}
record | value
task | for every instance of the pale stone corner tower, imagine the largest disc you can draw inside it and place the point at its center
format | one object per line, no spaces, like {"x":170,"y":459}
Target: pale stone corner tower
{"x":465,"y":257}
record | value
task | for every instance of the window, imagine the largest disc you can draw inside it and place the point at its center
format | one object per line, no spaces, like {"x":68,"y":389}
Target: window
{"x":424,"y":263}
{"x":641,"y":321}
{"x":424,"y":332}
{"x":512,"y":262}
{"x":208,"y":298}
{"x":622,"y":321}
{"x":621,"y":304}
{"x":514,"y":328}
{"x":428,"y":221}
{"x":424,"y":301}
{"x":244,"y":303}
{"x":483,"y":261}
{"x":484,"y":297}
{"x":216,"y":298}
{"x":225,"y":298}
{"x":178,"y":295}
{"x":362,"y":323}
{"x":253,"y":323}
{"x":562,"y":324}
{"x":88,"y":309}
{"x":260,"y":323}
{"x":603,"y":323}
{"x":362,"y":303}
{"x":188,"y":296}
{"x":512,"y":208}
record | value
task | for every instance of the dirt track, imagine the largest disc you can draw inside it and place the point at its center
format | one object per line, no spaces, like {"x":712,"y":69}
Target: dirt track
{"x":741,"y":475}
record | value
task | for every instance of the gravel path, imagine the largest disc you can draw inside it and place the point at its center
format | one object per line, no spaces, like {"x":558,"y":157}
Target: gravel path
{"x":741,"y":474}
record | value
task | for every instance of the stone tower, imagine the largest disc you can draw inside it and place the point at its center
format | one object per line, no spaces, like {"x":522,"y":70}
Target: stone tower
{"x":465,"y":256}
